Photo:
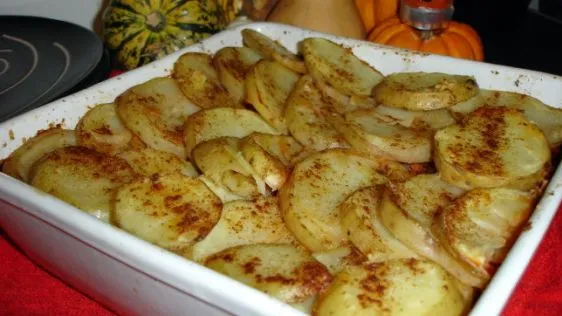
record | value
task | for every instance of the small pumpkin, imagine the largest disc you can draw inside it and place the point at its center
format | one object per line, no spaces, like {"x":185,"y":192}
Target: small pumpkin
{"x":140,"y":31}
{"x":373,"y":12}
{"x":334,"y":17}
{"x":447,"y":38}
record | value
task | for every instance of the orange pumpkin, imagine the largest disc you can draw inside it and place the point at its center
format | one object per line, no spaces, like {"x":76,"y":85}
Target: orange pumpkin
{"x":374,"y":12}
{"x":456,"y":39}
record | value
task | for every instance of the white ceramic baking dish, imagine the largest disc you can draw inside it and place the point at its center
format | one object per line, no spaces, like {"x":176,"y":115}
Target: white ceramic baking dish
{"x":133,"y":277}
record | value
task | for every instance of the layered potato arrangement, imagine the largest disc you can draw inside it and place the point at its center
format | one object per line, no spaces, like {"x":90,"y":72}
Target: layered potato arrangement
{"x":312,"y":177}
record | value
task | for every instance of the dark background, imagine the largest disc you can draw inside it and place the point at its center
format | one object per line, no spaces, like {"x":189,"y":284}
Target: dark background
{"x":515,"y":36}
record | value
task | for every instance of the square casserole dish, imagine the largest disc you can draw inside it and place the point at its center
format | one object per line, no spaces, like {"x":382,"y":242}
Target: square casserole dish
{"x":133,"y":277}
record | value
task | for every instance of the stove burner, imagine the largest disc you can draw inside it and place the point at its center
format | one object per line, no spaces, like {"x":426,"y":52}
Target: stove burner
{"x":41,"y":59}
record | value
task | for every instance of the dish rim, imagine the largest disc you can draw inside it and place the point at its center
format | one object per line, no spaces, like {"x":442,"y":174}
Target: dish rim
{"x":166,"y":266}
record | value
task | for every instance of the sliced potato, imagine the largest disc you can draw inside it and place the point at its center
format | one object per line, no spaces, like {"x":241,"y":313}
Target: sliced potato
{"x":219,"y":160}
{"x":284,"y":148}
{"x":148,"y":162}
{"x":332,"y":63}
{"x":396,"y":287}
{"x":369,"y":133}
{"x":20,"y":161}
{"x":306,"y":305}
{"x":495,"y":146}
{"x":232,"y":64}
{"x":155,"y":111}
{"x":547,"y":118}
{"x":199,"y":82}
{"x":223,"y":193}
{"x":435,"y":119}
{"x":480,"y":227}
{"x":268,"y":85}
{"x":363,"y":228}
{"x":209,"y":124}
{"x":421,"y":91}
{"x":337,"y":259}
{"x":318,"y":184}
{"x":267,"y":167}
{"x":245,"y":223}
{"x":82,"y":177}
{"x":343,"y":103}
{"x":171,"y":211}
{"x":102,"y":130}
{"x":272,"y":50}
{"x":287,"y":273}
{"x":305,"y":120}
{"x":422,"y":196}
{"x":462,"y":109}
{"x":423,"y":242}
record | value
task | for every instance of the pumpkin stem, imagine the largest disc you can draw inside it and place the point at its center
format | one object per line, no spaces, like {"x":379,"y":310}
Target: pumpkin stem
{"x":155,"y":21}
{"x":426,"y":35}
{"x":426,"y":17}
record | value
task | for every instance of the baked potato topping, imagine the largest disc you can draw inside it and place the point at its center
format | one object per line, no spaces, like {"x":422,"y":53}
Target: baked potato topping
{"x":272,"y":50}
{"x":419,"y":91}
{"x":268,"y":85}
{"x":232,"y":65}
{"x":311,"y":177}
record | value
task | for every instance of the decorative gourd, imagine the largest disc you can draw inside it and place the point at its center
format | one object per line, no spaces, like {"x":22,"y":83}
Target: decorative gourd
{"x":373,"y":12}
{"x":432,"y":32}
{"x":139,"y":31}
{"x":337,"y":17}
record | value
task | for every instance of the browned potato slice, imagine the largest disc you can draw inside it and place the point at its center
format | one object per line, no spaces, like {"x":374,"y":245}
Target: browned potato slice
{"x":282,"y":147}
{"x":222,"y":122}
{"x":422,"y":196}
{"x":337,"y":259}
{"x":422,"y":241}
{"x":318,"y":184}
{"x":148,"y":162}
{"x":367,"y":132}
{"x":232,"y":64}
{"x":435,"y":119}
{"x":547,"y":118}
{"x":272,"y":50}
{"x":396,"y":287}
{"x":306,"y":305}
{"x":268,"y":85}
{"x":220,"y":162}
{"x":171,"y":211}
{"x":462,"y":109}
{"x":343,"y":103}
{"x":245,"y":223}
{"x":419,"y":91}
{"x":332,"y":63}
{"x":20,"y":161}
{"x":82,"y":177}
{"x":495,"y":146}
{"x":287,"y":273}
{"x":223,"y":193}
{"x":102,"y":130}
{"x":480,"y":227}
{"x":305,"y":120}
{"x":266,"y":166}
{"x":155,"y":111}
{"x":363,"y":228}
{"x":199,"y":82}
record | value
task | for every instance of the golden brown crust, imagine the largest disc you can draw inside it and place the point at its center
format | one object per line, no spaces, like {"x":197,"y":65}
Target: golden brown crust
{"x":288,"y":273}
{"x":424,"y":91}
